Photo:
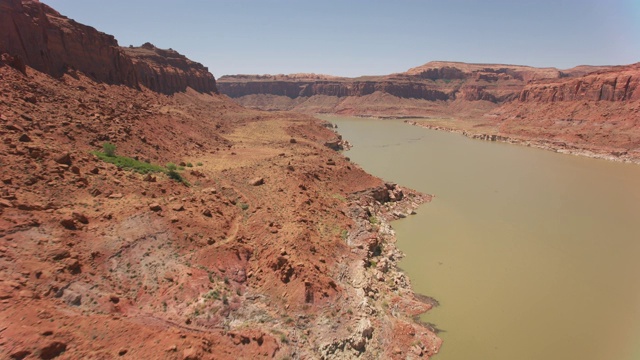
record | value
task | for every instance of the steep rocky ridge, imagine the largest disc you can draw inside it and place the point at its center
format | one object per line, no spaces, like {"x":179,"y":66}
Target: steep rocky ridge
{"x":489,"y":72}
{"x":279,"y":248}
{"x":54,"y":44}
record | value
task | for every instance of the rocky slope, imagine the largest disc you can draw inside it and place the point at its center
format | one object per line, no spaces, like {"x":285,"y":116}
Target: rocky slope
{"x":54,"y":44}
{"x":278,"y":248}
{"x":433,"y":89}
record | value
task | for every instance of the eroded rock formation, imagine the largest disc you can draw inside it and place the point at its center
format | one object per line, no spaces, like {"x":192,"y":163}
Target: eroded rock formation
{"x":618,"y":83}
{"x":54,"y":44}
{"x":167,"y":71}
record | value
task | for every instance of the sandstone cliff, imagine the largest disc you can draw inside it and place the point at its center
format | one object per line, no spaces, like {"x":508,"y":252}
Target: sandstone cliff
{"x":427,"y":90}
{"x":599,"y":111}
{"x":54,"y":44}
{"x":594,"y":111}
{"x":294,"y":88}
{"x":613,"y":84}
{"x":167,"y":71}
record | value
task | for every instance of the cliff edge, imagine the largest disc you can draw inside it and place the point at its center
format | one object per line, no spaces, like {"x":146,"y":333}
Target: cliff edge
{"x":54,"y":44}
{"x":599,"y":112}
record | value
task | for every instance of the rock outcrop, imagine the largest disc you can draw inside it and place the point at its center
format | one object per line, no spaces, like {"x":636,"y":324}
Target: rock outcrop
{"x":598,"y":112}
{"x":295,"y":88}
{"x":54,"y":44}
{"x":614,"y":84}
{"x":167,"y":71}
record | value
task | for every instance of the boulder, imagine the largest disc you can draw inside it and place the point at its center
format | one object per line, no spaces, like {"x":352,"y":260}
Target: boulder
{"x":68,"y":223}
{"x":256,"y":181}
{"x":82,"y":218}
{"x":52,"y":350}
{"x":64,"y":159}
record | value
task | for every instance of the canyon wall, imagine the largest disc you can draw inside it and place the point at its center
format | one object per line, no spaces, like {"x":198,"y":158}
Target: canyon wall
{"x":54,"y":44}
{"x":599,"y":111}
{"x":339,"y":88}
{"x":167,"y":71}
{"x":615,"y":84}
{"x":438,"y":82}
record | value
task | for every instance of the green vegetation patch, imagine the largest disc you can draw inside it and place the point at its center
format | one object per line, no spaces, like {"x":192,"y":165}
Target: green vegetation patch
{"x":109,"y":155}
{"x":129,"y":163}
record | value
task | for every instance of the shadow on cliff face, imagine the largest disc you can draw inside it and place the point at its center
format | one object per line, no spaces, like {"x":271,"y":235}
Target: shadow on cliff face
{"x":51,"y":43}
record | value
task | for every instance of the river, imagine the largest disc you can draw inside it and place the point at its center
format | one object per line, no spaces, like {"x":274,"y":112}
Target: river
{"x":531,"y":254}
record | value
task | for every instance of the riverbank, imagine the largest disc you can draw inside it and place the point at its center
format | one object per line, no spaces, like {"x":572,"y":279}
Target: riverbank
{"x":592,"y":151}
{"x":378,"y":290}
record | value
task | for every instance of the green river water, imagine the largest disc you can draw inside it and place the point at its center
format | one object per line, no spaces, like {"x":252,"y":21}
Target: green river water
{"x":531,"y":254}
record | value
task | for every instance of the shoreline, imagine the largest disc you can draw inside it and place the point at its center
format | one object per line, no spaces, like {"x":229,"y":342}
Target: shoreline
{"x":383,"y":291}
{"x":554,"y":146}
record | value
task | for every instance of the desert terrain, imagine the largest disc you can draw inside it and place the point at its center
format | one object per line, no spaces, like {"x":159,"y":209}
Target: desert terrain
{"x":144,"y":215}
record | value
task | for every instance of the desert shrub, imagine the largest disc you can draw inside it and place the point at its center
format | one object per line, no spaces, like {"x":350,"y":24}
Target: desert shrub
{"x":128,"y":163}
{"x":175,"y":175}
{"x":172,"y":172}
{"x":109,"y":149}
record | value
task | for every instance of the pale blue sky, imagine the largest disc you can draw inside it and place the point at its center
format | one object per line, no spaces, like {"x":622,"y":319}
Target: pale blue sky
{"x":352,"y":38}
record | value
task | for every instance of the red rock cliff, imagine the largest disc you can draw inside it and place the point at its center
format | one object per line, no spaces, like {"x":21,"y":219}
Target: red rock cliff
{"x":599,"y":111}
{"x":434,"y":81}
{"x":614,"y":84}
{"x":341,"y":88}
{"x":167,"y":71}
{"x":54,"y":44}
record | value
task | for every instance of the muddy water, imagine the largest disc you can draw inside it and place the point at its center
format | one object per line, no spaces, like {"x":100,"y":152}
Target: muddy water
{"x":532,"y":254}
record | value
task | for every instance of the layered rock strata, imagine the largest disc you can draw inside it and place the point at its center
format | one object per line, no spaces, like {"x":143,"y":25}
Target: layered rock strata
{"x":54,"y":44}
{"x":423,"y":90}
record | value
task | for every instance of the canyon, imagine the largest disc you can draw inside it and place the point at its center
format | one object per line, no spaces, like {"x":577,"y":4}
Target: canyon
{"x":587,"y":110}
{"x":257,"y":239}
